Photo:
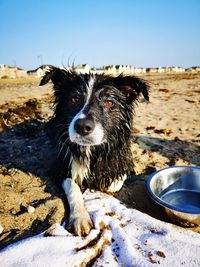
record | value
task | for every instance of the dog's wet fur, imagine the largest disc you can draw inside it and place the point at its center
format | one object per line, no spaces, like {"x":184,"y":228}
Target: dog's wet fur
{"x":93,"y":122}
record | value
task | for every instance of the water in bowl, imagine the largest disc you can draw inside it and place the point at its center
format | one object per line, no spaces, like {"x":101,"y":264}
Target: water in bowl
{"x":183,"y":199}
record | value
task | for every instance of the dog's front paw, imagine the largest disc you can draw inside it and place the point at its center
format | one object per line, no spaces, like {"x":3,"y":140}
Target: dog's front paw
{"x":81,"y":223}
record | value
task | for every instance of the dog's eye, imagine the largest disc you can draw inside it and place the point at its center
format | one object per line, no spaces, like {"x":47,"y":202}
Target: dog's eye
{"x":108,"y":103}
{"x":75,"y":100}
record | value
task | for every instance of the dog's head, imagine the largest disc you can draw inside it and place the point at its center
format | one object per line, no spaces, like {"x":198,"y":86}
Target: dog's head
{"x":92,"y":109}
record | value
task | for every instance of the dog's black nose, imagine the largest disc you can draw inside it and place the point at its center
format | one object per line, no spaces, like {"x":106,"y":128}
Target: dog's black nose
{"x":84,"y":126}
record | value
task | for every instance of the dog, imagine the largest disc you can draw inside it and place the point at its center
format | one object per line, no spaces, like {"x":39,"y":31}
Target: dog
{"x":93,"y":121}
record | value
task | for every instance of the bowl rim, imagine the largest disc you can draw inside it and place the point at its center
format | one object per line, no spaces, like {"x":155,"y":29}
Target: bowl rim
{"x":163,"y":203}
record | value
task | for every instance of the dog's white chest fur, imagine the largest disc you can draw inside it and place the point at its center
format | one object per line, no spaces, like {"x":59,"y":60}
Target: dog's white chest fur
{"x":80,"y":168}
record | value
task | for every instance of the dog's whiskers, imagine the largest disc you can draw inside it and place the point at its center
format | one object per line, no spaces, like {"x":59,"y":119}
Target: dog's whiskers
{"x":61,"y":145}
{"x":66,"y":153}
{"x":62,"y":124}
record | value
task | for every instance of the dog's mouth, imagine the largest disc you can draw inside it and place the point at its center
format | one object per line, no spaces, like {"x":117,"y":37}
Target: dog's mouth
{"x":86,"y":141}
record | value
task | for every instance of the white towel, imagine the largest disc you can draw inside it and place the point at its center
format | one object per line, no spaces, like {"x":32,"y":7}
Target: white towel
{"x":122,"y":237}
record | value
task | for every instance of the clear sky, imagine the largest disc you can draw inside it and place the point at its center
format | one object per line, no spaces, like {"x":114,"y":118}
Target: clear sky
{"x":145,"y":33}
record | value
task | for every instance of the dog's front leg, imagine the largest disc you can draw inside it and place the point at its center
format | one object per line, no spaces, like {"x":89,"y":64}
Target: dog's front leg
{"x":79,"y":217}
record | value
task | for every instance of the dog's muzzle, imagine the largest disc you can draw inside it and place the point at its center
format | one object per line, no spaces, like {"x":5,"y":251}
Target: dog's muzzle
{"x":86,"y":132}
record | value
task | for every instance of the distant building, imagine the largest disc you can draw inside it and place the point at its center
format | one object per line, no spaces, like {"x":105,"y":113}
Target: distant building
{"x":11,"y":72}
{"x":194,"y":69}
{"x":39,"y":72}
{"x":152,"y":70}
{"x":161,"y":70}
{"x":84,"y":68}
{"x":97,"y":70}
{"x":177,"y":69}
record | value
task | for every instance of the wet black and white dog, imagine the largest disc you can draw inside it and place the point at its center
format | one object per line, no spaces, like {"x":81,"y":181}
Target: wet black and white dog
{"x":93,"y":123}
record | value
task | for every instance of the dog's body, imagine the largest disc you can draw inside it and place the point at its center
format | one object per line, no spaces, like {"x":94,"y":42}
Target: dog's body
{"x":93,"y":123}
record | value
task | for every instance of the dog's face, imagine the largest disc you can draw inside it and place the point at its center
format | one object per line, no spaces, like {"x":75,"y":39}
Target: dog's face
{"x":93,"y":109}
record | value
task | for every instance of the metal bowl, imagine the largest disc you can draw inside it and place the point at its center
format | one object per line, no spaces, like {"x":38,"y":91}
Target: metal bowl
{"x":177,"y":189}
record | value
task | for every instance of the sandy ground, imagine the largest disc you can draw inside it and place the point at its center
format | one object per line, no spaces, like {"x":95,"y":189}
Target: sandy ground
{"x":166,"y":133}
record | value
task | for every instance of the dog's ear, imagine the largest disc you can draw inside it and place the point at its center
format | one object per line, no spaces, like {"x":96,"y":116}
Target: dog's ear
{"x":54,"y":74}
{"x":132,"y":87}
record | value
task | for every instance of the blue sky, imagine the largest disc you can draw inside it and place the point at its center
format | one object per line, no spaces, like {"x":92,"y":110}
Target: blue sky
{"x":100,"y":32}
